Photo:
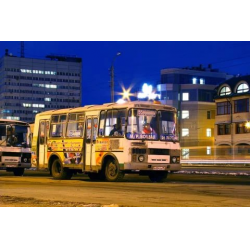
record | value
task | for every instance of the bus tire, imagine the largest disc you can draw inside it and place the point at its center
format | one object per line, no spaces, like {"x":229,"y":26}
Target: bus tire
{"x":60,"y":173}
{"x":112,"y":171}
{"x":18,"y":171}
{"x":158,"y":176}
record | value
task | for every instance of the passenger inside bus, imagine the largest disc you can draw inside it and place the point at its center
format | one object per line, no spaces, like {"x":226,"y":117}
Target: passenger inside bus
{"x":12,"y":140}
{"x":116,"y":131}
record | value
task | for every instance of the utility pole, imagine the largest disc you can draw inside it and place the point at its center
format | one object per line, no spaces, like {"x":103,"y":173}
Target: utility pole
{"x":112,"y":83}
{"x":112,"y":78}
{"x":22,"y":49}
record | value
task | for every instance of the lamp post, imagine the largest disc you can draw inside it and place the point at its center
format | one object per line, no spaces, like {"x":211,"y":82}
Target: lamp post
{"x":231,"y":125}
{"x":112,"y":81}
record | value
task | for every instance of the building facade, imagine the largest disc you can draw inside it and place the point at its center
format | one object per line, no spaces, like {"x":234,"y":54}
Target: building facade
{"x":29,"y":86}
{"x":192,"y":91}
{"x":232,"y":120}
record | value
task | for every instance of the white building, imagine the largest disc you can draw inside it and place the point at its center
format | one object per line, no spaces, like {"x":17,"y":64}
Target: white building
{"x":29,"y":86}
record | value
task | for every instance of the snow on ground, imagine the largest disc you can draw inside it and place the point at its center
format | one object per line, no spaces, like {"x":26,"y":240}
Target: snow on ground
{"x":215,"y":172}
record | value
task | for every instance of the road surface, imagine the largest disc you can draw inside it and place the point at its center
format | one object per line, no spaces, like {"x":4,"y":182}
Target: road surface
{"x":38,"y":189}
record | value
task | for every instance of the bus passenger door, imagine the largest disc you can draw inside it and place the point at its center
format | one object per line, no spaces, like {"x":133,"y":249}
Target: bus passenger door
{"x":42,"y":143}
{"x":91,"y":133}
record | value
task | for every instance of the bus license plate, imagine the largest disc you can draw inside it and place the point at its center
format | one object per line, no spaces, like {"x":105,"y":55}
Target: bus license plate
{"x":11,"y":166}
{"x":159,"y":168}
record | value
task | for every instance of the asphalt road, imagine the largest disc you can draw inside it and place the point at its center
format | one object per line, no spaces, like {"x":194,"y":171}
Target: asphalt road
{"x":189,"y":188}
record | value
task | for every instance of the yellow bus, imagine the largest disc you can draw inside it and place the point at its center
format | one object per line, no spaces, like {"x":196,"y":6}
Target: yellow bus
{"x":107,"y":141}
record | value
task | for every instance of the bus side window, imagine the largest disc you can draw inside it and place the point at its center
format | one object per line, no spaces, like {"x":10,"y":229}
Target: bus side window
{"x":58,"y":125}
{"x":115,"y":122}
{"x":95,"y":129}
{"x":102,"y":122}
{"x":75,"y":125}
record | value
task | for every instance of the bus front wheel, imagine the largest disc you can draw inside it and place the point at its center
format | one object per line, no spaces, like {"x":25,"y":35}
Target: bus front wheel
{"x":112,"y":171}
{"x":60,"y":173}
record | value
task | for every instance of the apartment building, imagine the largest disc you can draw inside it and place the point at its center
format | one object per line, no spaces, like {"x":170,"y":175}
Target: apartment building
{"x":29,"y":86}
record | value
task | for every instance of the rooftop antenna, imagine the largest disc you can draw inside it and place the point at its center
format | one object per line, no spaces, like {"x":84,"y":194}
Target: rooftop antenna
{"x":22,"y":49}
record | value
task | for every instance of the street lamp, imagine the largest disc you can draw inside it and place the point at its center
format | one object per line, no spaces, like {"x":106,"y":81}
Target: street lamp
{"x":112,"y":81}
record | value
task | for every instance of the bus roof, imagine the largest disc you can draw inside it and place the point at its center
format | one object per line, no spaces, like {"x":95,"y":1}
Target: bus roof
{"x":134,"y":104}
{"x":13,"y":122}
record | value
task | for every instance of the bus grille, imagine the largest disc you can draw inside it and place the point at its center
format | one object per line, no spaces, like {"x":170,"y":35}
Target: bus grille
{"x":157,"y":151}
{"x":138,"y":150}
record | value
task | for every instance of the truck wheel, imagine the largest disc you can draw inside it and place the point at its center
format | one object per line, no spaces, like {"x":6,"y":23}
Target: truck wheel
{"x":18,"y":171}
{"x":112,"y":171}
{"x":60,"y":173}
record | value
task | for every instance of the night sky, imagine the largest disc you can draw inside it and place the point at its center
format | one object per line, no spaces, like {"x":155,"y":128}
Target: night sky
{"x":138,"y":63}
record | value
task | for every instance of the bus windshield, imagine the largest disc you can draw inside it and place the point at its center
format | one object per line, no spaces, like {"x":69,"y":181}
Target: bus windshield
{"x":14,"y":135}
{"x":167,"y":125}
{"x":148,"y":124}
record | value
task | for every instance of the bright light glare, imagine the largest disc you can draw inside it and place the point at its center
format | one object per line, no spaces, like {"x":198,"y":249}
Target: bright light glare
{"x":126,"y":94}
{"x":248,"y":125}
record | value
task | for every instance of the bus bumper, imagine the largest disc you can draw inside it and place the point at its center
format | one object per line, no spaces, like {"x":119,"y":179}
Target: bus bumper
{"x":6,"y":166}
{"x":152,"y":167}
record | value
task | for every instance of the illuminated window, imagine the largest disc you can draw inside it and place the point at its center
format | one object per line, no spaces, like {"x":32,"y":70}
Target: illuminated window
{"x":208,"y":150}
{"x":26,"y":105}
{"x":185,"y":132}
{"x":47,"y":99}
{"x":50,"y":86}
{"x":209,"y":132}
{"x":185,"y":114}
{"x":13,"y":118}
{"x":185,"y":153}
{"x":185,"y":96}
{"x":202,"y":81}
{"x":194,"y":80}
{"x":225,"y":91}
{"x":242,"y":88}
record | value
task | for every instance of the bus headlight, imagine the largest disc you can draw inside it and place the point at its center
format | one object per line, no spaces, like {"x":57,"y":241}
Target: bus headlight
{"x":141,"y":158}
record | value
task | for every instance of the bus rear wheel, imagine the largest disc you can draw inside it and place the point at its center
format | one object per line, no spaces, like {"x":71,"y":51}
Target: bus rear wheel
{"x":158,"y":176}
{"x":18,"y":171}
{"x":112,"y":171}
{"x":60,"y":173}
